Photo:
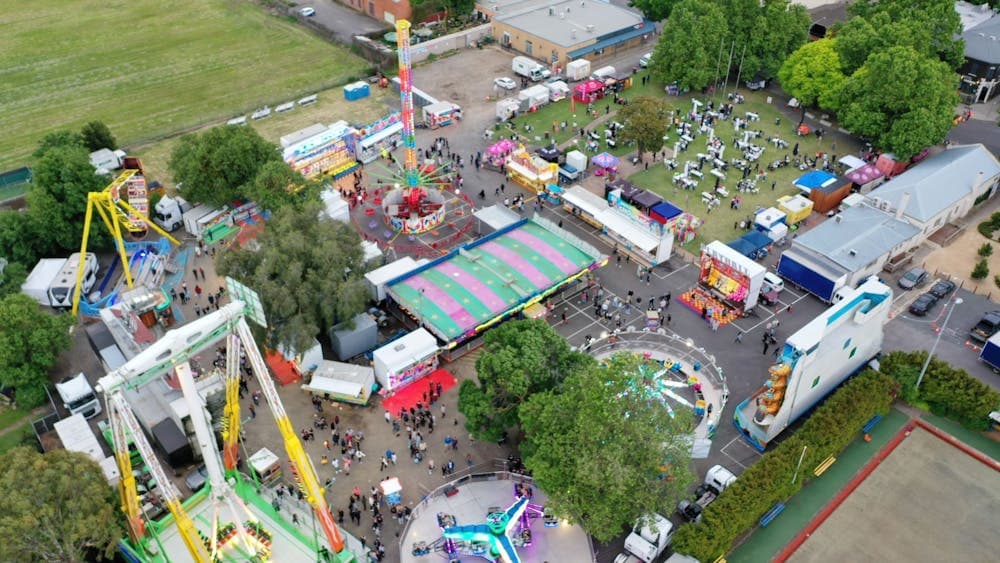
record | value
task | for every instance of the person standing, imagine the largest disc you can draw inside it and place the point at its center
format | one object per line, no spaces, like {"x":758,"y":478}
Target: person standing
{"x":739,"y":337}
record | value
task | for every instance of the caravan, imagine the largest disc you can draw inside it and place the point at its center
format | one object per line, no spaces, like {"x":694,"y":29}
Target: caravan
{"x":61,"y":291}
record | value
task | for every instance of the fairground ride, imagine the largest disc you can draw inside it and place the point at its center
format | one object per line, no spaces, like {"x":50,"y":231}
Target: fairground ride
{"x":241,"y":537}
{"x":123,"y":206}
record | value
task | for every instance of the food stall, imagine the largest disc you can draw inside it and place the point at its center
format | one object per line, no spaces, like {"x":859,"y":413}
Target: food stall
{"x":338,"y":381}
{"x":771,"y":222}
{"x":826,"y":190}
{"x":405,"y":360}
{"x":266,"y":467}
{"x":664,"y":212}
{"x":552,"y":194}
{"x":531,"y":171}
{"x":441,"y":114}
{"x":606,"y":163}
{"x":796,"y":208}
{"x":557,"y":90}
{"x":497,"y":153}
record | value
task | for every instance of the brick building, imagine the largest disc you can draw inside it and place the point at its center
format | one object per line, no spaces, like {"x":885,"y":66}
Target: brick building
{"x":384,"y":10}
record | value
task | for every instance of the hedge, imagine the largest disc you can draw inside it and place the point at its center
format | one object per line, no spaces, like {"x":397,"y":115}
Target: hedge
{"x":828,"y":431}
{"x":946,"y":390}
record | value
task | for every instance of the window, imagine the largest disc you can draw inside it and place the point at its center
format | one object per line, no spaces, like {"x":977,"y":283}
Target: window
{"x":527,"y":47}
{"x":816,"y":381}
{"x":853,"y":351}
{"x":371,"y":8}
{"x":505,"y":39}
{"x":846,"y":344}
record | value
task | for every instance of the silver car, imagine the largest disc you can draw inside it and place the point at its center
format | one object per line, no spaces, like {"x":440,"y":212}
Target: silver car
{"x":913,"y":278}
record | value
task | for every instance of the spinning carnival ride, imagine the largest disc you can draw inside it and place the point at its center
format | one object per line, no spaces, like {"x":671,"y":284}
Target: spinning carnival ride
{"x":415,"y":205}
{"x":236,"y":533}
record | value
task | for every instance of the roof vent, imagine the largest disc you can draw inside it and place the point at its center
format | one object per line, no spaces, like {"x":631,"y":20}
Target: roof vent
{"x":838,"y":218}
{"x":590,"y":27}
{"x":572,"y":34}
{"x":852,"y":252}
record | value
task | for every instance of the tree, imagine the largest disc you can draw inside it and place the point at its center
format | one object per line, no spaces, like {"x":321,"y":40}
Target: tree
{"x":519,"y":359}
{"x":901,"y":100}
{"x":688,"y":50}
{"x":62,"y":138}
{"x":217,"y":166}
{"x":813,"y":75}
{"x":308,"y":272}
{"x":986,"y":249}
{"x":647,"y":120}
{"x":30,"y":343}
{"x":599,"y":447}
{"x":56,"y":506}
{"x":277,"y":185}
{"x":11,"y":277}
{"x":96,"y":136}
{"x":57,"y":201}
{"x":981,"y":270}
{"x":17,"y":238}
{"x":931,"y":27}
{"x":762,"y":34}
{"x":656,"y":10}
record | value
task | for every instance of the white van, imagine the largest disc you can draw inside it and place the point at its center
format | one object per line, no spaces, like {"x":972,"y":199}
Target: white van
{"x":61,"y":289}
{"x":772,"y":283}
{"x":603,"y":73}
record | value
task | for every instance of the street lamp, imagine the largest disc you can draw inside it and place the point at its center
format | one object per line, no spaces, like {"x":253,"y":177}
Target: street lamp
{"x":923,"y":370}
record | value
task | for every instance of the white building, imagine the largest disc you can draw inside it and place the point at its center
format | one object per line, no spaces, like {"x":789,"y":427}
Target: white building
{"x":940,"y":189}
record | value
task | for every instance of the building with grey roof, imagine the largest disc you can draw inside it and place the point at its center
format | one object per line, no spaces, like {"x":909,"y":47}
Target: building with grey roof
{"x":845,"y":250}
{"x":558,"y":31}
{"x":941,"y":188}
{"x":981,"y":71}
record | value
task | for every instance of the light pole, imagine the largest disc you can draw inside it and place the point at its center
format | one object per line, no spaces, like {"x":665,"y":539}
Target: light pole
{"x":923,"y":370}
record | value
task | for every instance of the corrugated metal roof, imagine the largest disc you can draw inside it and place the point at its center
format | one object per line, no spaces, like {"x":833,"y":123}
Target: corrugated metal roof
{"x":983,"y":41}
{"x":939,"y":181}
{"x":860,"y":236}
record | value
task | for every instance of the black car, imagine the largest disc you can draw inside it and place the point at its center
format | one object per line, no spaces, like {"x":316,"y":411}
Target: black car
{"x":942,"y":288}
{"x":923,"y":304}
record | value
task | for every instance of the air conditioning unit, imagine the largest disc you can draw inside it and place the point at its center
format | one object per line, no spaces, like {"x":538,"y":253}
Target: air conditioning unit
{"x":590,"y":27}
{"x":885,"y":206}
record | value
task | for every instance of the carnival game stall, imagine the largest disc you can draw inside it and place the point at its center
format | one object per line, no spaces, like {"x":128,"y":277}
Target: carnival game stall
{"x":664,"y":211}
{"x":552,"y":194}
{"x":728,"y":284}
{"x":325,"y":153}
{"x":550,"y":153}
{"x":378,"y":138}
{"x":685,"y":227}
{"x":405,"y":360}
{"x":588,"y":91}
{"x":497,"y":154}
{"x":531,"y":171}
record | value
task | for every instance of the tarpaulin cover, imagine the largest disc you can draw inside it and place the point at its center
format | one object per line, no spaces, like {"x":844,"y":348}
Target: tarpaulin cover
{"x":646,"y":200}
{"x":814,"y":179}
{"x":666,"y":210}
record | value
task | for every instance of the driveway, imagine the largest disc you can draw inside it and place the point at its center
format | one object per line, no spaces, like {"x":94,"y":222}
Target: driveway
{"x":343,"y":21}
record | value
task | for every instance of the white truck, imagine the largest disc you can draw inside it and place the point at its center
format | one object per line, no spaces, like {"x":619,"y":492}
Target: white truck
{"x":52,"y":281}
{"x":78,"y":396}
{"x":197,"y":219}
{"x":169,"y":212}
{"x":106,"y":160}
{"x":649,"y":538}
{"x":717,"y":480}
{"x":530,"y":68}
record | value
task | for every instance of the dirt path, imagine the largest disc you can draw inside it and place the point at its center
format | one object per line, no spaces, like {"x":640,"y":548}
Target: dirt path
{"x":958,"y":258}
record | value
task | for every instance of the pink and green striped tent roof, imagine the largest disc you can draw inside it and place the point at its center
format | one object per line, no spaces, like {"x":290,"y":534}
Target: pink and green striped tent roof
{"x":490,"y":277}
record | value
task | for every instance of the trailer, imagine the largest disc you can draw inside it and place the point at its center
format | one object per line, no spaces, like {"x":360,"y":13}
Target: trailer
{"x":806,"y":274}
{"x":37,"y":284}
{"x":990,"y":354}
{"x":578,"y":70}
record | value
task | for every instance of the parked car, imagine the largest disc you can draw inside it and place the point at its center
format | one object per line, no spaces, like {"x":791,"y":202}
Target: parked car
{"x":504,"y":83}
{"x":196,"y":478}
{"x":923,"y":304}
{"x":645,"y":59}
{"x":913,"y":278}
{"x":942,"y":288}
{"x":307,"y":12}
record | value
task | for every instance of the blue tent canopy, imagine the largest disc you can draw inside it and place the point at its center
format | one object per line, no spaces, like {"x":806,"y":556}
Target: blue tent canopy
{"x":757,"y":239}
{"x":814,"y":179}
{"x":666,"y":210}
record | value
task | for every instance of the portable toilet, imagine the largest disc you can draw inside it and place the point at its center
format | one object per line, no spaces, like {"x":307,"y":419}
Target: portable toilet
{"x":356,"y":91}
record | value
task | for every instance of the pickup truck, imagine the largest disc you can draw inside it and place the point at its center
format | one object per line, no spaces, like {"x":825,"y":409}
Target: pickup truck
{"x":717,"y":480}
{"x":986,"y":327}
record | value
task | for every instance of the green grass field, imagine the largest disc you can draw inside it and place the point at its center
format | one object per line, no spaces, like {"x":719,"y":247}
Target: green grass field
{"x":149,"y":69}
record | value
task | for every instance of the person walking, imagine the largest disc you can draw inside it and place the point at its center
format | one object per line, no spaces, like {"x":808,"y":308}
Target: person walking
{"x":563,"y":316}
{"x":739,"y":337}
{"x":767,"y":344}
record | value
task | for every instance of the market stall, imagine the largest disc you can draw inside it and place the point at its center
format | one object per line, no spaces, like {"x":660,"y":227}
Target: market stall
{"x":530,"y":170}
{"x":664,"y":211}
{"x":338,"y":381}
{"x":588,"y":91}
{"x":866,"y":177}
{"x":772,"y":223}
{"x":826,"y":190}
{"x":605,"y":163}
{"x":684,"y":227}
{"x":392,"y":490}
{"x":552,"y":194}
{"x":405,"y":360}
{"x":550,"y":153}
{"x":796,"y":208}
{"x":645,"y":201}
{"x":497,"y":153}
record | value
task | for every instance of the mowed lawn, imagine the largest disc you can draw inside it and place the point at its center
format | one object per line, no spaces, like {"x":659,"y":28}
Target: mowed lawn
{"x":149,"y":69}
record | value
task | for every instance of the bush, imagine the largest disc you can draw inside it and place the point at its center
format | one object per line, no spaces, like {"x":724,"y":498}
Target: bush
{"x":986,"y":250}
{"x":981,"y":270}
{"x":947,"y":391}
{"x":833,"y":425}
{"x":996,"y":280}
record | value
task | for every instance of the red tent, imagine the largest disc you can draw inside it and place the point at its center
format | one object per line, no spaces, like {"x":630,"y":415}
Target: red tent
{"x":588,"y":91}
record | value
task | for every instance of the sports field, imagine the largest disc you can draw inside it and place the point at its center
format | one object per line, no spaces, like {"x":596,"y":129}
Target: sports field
{"x":926,"y":501}
{"x":149,"y":68}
